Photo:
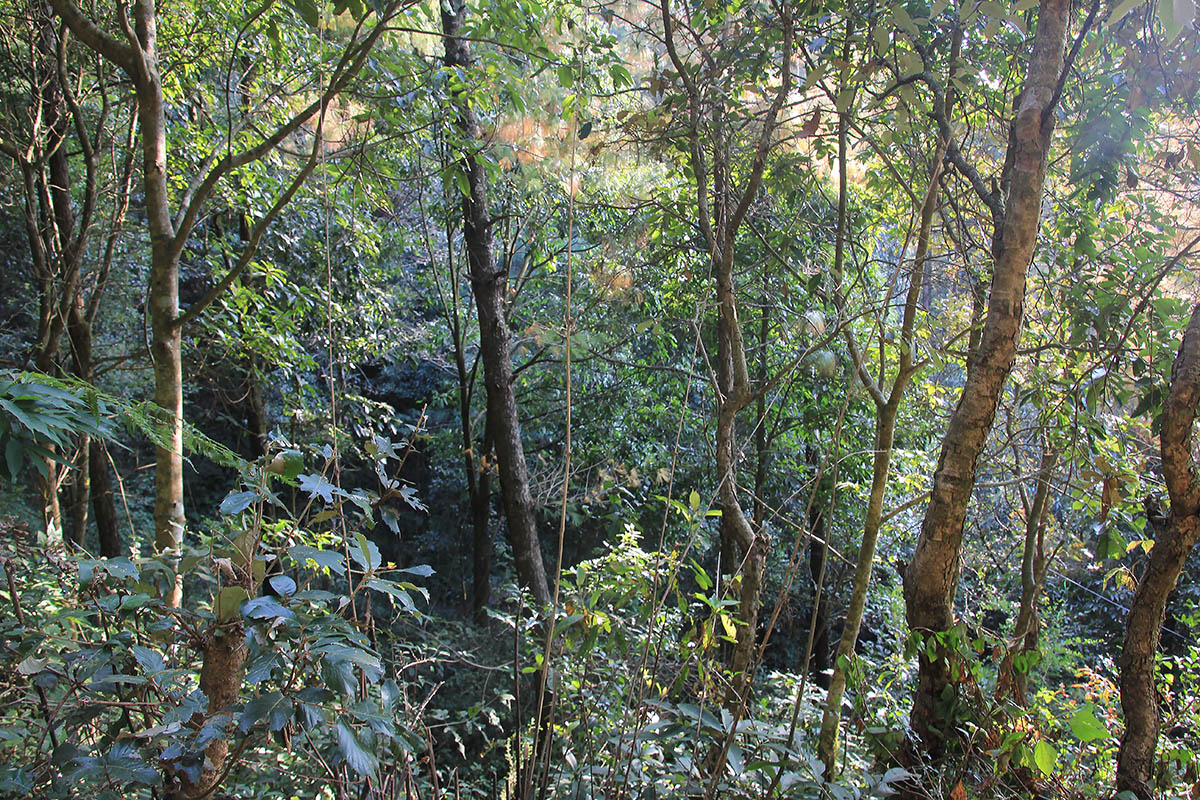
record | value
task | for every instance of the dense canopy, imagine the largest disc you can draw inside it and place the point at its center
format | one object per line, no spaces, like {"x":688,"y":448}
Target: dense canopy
{"x":527,"y":399}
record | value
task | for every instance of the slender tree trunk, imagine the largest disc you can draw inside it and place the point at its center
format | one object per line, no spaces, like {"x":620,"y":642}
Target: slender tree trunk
{"x":932,"y":577}
{"x":1033,"y":572}
{"x":1172,"y":544}
{"x":886,"y":412}
{"x":818,"y":551}
{"x":165,"y":331}
{"x":489,"y":284}
{"x":480,"y":498}
{"x":103,"y":506}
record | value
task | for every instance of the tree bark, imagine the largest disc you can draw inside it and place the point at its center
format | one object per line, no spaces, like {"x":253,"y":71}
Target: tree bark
{"x":489,"y":283}
{"x":1143,"y":626}
{"x":932,"y":577}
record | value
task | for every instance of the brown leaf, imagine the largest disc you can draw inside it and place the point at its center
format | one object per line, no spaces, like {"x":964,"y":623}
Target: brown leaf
{"x":958,"y":792}
{"x":810,"y":127}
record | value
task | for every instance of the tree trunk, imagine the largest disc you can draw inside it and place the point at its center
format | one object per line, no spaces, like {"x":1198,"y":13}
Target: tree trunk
{"x":886,"y":412}
{"x":932,"y":577}
{"x":103,"y":507}
{"x":165,"y":330}
{"x":1033,"y":572}
{"x":1143,"y":627}
{"x":480,"y":498}
{"x":818,"y":551}
{"x":489,"y":284}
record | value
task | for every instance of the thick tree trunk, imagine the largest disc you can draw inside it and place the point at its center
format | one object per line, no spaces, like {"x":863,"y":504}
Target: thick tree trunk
{"x":489,"y":284}
{"x":221,"y":681}
{"x":932,"y":577}
{"x":1136,"y":759}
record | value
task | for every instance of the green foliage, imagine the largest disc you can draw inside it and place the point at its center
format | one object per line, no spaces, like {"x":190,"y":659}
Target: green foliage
{"x":39,"y":416}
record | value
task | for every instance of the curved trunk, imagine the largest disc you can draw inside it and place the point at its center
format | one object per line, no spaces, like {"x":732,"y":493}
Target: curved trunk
{"x":932,"y":578}
{"x":1135,"y":761}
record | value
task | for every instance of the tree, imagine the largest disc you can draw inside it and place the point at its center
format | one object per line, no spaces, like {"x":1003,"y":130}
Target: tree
{"x":931,"y":578}
{"x":172,"y":216}
{"x":724,"y":191}
{"x":489,"y":282}
{"x":48,"y":120}
{"x":1172,"y":545}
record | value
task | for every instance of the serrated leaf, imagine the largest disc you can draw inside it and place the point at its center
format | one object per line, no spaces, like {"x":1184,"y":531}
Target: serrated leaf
{"x":266,"y":608}
{"x":272,"y":706}
{"x":327,"y":559}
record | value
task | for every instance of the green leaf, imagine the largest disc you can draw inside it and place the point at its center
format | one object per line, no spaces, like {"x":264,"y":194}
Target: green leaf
{"x":1045,"y":756}
{"x":566,"y":76}
{"x":694,"y":500}
{"x":326,"y":559}
{"x":357,"y":757}
{"x":1086,"y":726}
{"x":307,"y":9}
{"x":1122,"y":9}
{"x":1176,"y":16}
{"x":228,"y":603}
{"x":365,"y":553}
{"x":237,"y":502}
{"x":272,"y":706}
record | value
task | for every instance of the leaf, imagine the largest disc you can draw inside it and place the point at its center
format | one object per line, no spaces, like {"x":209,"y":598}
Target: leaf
{"x":307,"y":9}
{"x":365,"y":553}
{"x":151,"y":661}
{"x":229,"y":601}
{"x":1045,"y":756}
{"x":266,"y":608}
{"x":421,"y":570}
{"x":1176,"y":16}
{"x":237,"y":502}
{"x":1086,"y":726}
{"x":392,"y":591}
{"x":356,"y":756}
{"x":1122,"y":9}
{"x":566,"y":76}
{"x":272,"y":706}
{"x":282,"y":584}
{"x":585,"y":130}
{"x":958,"y":792}
{"x":326,"y":559}
{"x":32,"y":666}
{"x":810,"y":126}
{"x":317,"y":486}
{"x":694,"y":500}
